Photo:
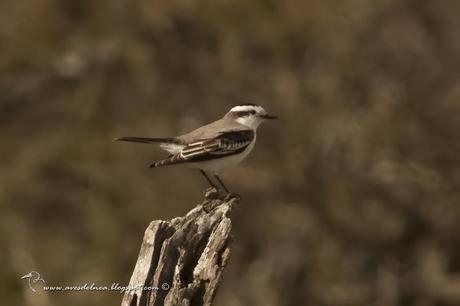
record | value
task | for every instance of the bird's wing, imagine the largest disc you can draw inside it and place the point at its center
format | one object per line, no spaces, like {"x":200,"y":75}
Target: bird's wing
{"x":212,"y":130}
{"x":225,"y":144}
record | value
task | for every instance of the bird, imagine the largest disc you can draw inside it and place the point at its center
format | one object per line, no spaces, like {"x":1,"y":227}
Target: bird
{"x":212,"y":147}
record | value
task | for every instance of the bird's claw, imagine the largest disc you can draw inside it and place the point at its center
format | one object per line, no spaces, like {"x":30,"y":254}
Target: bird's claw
{"x":232,"y":195}
{"x":211,"y":193}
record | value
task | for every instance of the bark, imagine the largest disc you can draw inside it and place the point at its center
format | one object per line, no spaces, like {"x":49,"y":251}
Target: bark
{"x":183,"y":259}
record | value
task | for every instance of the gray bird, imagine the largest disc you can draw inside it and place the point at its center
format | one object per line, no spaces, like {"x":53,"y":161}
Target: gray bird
{"x":214,"y":146}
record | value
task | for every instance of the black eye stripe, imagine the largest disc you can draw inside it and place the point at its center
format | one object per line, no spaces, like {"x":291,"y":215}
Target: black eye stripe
{"x":245,"y":113}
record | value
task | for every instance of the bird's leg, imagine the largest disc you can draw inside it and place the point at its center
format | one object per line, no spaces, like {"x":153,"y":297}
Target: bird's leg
{"x":229,"y":195}
{"x":212,"y":192}
{"x":208,"y":179}
{"x":221,"y":183}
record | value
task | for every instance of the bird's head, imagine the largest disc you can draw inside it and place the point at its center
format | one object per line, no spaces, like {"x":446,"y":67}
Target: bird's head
{"x":250,"y":115}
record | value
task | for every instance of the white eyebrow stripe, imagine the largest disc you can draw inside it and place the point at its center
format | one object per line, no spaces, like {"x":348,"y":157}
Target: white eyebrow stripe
{"x":245,"y":108}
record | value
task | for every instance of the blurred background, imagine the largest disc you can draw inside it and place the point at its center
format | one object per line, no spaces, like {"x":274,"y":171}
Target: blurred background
{"x":352,"y":198}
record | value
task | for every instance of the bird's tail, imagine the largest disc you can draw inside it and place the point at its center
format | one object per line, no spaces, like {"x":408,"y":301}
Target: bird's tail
{"x":147,"y":140}
{"x":171,"y":160}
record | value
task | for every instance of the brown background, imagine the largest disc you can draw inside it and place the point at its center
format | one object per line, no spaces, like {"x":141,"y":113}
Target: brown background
{"x":351,"y":199}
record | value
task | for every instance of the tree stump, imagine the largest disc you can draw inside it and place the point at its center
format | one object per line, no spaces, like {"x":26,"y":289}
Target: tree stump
{"x":182,"y":259}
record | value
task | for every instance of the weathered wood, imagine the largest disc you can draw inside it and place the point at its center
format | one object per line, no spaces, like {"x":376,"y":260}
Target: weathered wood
{"x":183,"y":259}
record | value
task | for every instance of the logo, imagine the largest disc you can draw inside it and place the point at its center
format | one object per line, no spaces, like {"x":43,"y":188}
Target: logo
{"x":33,"y":278}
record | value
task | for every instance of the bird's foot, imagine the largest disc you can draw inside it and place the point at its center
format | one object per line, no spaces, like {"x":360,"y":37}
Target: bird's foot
{"x":212,"y":193}
{"x":231,"y":195}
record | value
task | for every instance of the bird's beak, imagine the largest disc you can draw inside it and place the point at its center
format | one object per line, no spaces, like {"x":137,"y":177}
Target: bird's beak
{"x":268,"y":116}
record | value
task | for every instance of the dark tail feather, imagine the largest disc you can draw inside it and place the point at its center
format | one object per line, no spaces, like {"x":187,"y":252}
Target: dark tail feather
{"x":146,"y":140}
{"x":172,"y":160}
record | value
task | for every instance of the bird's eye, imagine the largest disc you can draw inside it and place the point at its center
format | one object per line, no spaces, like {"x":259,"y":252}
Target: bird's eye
{"x":252,"y":112}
